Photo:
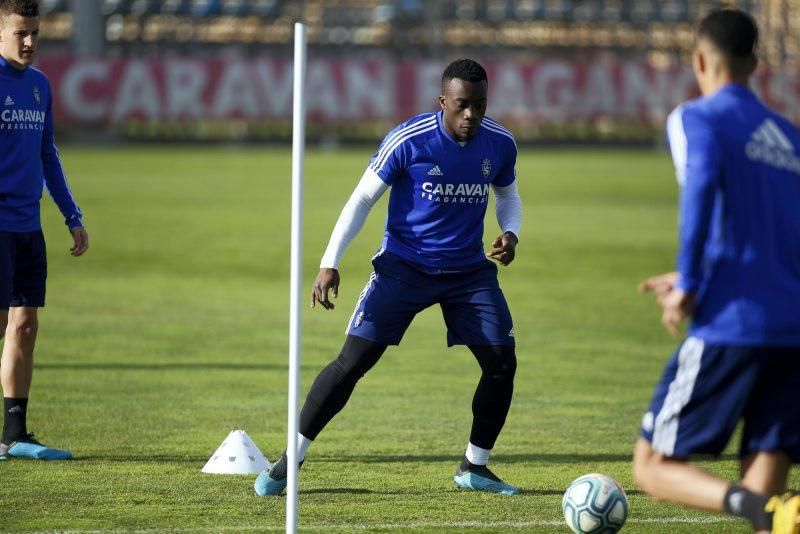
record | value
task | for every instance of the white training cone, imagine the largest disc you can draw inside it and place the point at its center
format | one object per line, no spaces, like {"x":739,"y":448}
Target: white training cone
{"x":237,"y":455}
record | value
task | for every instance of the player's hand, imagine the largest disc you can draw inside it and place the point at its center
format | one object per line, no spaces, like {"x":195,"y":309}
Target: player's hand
{"x":327,"y":280}
{"x":677,"y":306}
{"x":80,"y":240}
{"x":660,"y":284}
{"x":503,"y":249}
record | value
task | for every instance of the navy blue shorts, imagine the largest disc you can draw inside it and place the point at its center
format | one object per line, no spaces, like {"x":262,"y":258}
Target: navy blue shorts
{"x":23,"y":269}
{"x":474,"y":308}
{"x":707,"y":389}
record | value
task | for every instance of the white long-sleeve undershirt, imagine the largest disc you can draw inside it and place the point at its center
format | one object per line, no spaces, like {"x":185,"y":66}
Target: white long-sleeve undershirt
{"x":369,"y":189}
{"x":508,"y":208}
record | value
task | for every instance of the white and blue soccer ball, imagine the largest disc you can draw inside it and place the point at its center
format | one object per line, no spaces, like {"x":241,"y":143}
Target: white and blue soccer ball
{"x":595,"y":504}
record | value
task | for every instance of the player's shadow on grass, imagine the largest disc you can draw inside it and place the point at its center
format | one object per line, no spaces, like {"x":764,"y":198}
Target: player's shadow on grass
{"x":497,"y":458}
{"x":186,"y":366}
{"x":349,"y":491}
{"x":543,"y":458}
{"x":423,"y":491}
{"x":147,"y":459}
{"x":560,"y":491}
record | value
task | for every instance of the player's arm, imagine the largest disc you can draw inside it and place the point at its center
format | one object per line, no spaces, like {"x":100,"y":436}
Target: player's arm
{"x":508,"y":209}
{"x":57,"y":186}
{"x":662,"y":285}
{"x":701,"y":160}
{"x":369,"y":189}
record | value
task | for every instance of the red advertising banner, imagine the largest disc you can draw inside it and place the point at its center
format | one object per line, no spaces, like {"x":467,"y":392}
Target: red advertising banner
{"x":529,"y":96}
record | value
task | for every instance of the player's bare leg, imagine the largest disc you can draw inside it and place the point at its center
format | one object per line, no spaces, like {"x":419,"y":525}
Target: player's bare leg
{"x":16,"y":368}
{"x":16,"y":374}
{"x":766,"y":473}
{"x":3,"y":325}
{"x":667,"y":479}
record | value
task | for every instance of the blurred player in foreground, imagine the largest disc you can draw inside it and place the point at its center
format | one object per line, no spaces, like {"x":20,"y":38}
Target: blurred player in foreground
{"x":738,"y":278}
{"x":28,"y":160}
{"x":440,"y":167}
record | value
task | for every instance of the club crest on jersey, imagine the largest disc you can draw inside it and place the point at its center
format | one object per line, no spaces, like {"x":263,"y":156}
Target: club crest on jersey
{"x":36,"y":95}
{"x":486,"y":168}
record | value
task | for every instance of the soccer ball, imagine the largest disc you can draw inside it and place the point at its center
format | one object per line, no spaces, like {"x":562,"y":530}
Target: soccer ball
{"x":595,"y":504}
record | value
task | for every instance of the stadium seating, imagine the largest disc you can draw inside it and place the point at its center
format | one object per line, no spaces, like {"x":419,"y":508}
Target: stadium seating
{"x":47,"y":7}
{"x":114,"y":7}
{"x":176,"y":7}
{"x":144,"y":8}
{"x":206,"y":8}
{"x":264,"y":8}
{"x":675,"y":11}
{"x":524,"y":24}
{"x":235,"y":8}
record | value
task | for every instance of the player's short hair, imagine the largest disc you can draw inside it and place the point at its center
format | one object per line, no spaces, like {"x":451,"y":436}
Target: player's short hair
{"x":734,"y":33}
{"x":468,"y":70}
{"x":24,"y":8}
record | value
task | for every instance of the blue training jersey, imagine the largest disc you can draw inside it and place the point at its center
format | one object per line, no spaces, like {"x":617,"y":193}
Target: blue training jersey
{"x":440,"y":189}
{"x":739,"y":168}
{"x":28,"y":155}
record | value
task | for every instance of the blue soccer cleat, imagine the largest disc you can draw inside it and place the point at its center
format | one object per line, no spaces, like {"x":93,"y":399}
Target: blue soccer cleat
{"x":27,"y":447}
{"x":3,"y":452}
{"x":274,"y":481}
{"x":479,"y":478}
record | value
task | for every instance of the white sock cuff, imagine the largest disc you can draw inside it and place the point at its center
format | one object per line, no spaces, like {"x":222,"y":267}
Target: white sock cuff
{"x":476,"y":455}
{"x":303,"y":443}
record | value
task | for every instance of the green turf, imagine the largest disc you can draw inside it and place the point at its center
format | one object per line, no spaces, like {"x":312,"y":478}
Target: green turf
{"x":173,"y":330}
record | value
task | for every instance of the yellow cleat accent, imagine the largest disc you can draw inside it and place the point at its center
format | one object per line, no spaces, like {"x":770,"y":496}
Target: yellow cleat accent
{"x":785,"y":513}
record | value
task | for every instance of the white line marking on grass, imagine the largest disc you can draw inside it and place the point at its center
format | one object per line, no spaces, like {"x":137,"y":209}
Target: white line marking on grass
{"x":411,"y":526}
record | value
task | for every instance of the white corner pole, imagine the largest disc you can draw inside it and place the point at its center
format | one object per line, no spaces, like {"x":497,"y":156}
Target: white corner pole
{"x":298,"y":152}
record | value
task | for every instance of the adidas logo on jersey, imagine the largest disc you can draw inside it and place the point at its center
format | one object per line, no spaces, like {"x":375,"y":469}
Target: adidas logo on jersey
{"x":770,"y":145}
{"x":435,"y":171}
{"x":770,"y":135}
{"x":9,"y":101}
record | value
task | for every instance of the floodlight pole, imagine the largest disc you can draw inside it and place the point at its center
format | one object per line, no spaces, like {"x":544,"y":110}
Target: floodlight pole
{"x":298,"y":152}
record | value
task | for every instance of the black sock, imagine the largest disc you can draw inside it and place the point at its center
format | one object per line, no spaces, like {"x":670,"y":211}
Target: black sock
{"x":14,"y":412}
{"x":742,"y":502}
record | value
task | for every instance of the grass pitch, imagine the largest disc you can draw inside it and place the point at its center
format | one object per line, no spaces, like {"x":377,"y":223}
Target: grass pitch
{"x":173,"y":330}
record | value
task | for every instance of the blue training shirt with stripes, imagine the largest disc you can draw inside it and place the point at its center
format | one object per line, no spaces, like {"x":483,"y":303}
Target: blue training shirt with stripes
{"x":440,"y":189}
{"x":738,"y":164}
{"x":29,"y":158}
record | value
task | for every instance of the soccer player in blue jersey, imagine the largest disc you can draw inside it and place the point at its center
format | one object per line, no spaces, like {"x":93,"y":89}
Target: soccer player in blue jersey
{"x":440,"y":167}
{"x":28,"y":161}
{"x":738,"y":277}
